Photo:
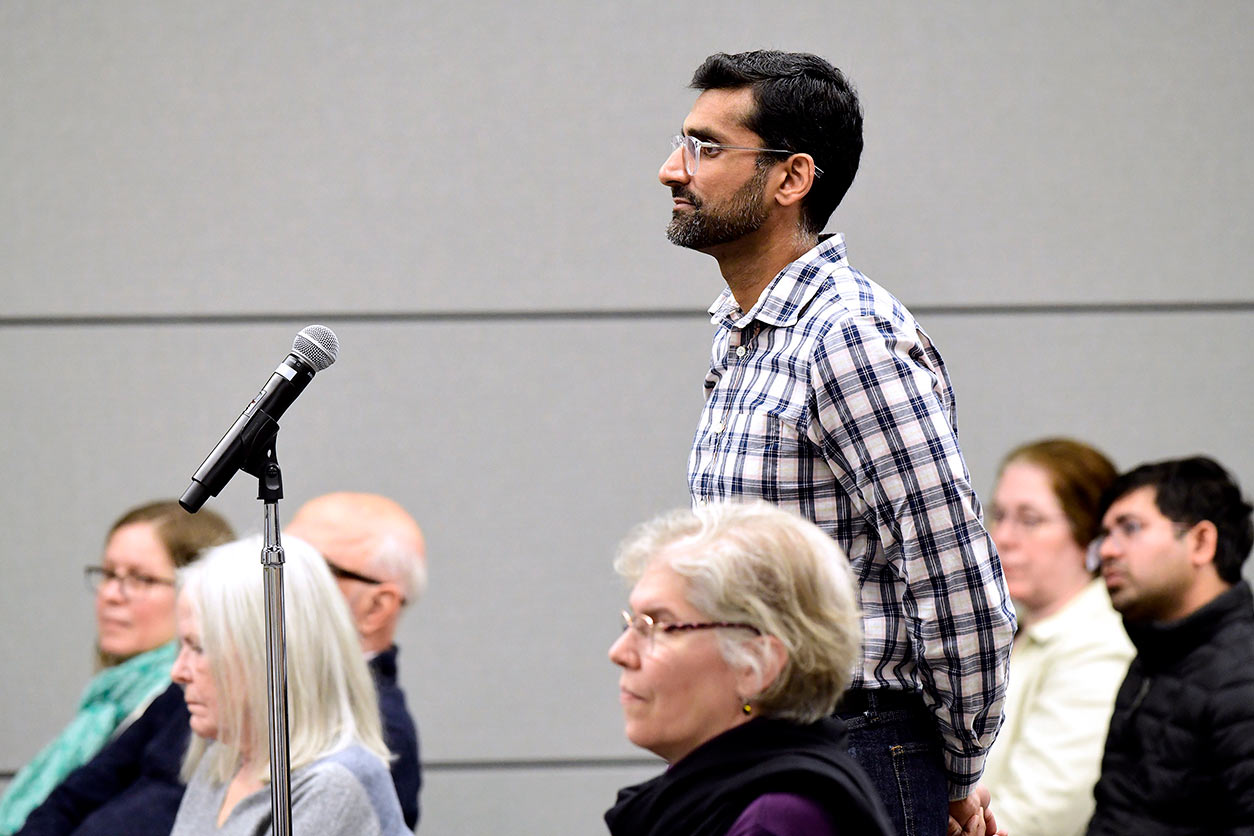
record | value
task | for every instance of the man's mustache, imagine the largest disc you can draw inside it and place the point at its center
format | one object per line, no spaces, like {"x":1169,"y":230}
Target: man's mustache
{"x":682,"y":193}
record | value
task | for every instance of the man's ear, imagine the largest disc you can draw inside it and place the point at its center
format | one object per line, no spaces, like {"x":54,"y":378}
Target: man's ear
{"x":798,"y":179}
{"x":382,"y":604}
{"x":1202,"y":540}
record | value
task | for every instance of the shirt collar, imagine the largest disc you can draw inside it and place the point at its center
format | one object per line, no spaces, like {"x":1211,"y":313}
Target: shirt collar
{"x":783,"y":300}
{"x":1079,"y":607}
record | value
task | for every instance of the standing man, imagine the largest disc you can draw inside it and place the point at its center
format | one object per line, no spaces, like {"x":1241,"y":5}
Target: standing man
{"x":824,"y":395}
{"x":1180,"y":752}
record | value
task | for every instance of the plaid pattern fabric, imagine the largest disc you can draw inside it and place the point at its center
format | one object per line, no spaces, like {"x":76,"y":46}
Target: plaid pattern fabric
{"x":829,"y":399}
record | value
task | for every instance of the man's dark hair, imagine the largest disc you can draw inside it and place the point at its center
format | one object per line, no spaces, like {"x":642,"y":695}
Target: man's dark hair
{"x":1188,"y":491}
{"x":803,"y":105}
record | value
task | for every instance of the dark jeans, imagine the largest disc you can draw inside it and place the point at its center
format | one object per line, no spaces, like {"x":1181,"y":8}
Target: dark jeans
{"x":894,"y":737}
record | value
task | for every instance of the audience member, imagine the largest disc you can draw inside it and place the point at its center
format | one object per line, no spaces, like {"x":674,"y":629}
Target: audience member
{"x":377,"y":554}
{"x":1179,"y":755}
{"x":743,"y":632}
{"x":339,"y":776}
{"x":1070,"y":653}
{"x":134,"y":785}
{"x":134,"y":588}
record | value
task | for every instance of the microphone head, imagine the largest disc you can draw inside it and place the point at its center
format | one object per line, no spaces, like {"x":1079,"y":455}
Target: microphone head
{"x":317,"y":346}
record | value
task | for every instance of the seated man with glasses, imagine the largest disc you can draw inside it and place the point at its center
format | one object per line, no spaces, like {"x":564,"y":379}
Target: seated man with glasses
{"x":376,"y":552}
{"x":826,"y":396}
{"x":1179,"y":755}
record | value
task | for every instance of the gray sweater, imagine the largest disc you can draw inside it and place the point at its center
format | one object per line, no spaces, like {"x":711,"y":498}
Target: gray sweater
{"x":348,"y":793}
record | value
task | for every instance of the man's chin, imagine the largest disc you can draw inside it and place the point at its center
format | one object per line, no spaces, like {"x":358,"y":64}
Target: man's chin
{"x":682,"y":234}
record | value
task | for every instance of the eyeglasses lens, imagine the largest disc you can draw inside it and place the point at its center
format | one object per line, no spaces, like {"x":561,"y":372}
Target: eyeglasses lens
{"x":691,"y":152}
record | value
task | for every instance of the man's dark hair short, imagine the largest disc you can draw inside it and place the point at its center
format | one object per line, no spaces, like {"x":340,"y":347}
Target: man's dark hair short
{"x":803,"y":105}
{"x":1188,"y":491}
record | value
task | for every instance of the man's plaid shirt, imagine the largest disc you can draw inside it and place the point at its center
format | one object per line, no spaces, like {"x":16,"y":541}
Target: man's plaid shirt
{"x":829,"y":399}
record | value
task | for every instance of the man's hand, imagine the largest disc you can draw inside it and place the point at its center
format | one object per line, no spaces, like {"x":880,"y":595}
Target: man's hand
{"x":971,"y":816}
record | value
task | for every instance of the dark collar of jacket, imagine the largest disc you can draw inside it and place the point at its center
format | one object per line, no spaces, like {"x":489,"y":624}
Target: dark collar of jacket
{"x":704,"y":793}
{"x":383,"y":665}
{"x":1161,"y":644}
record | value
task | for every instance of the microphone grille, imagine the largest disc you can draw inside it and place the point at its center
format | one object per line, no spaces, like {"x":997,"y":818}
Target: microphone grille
{"x":317,"y":345}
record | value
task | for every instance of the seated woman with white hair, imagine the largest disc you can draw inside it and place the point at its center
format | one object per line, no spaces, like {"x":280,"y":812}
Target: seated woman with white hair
{"x":339,"y":775}
{"x":743,"y":634}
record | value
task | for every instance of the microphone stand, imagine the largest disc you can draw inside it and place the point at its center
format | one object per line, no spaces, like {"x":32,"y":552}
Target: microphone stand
{"x":263,"y":464}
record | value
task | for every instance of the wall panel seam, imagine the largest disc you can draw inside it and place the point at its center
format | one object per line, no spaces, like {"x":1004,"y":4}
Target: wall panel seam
{"x":924,"y":310}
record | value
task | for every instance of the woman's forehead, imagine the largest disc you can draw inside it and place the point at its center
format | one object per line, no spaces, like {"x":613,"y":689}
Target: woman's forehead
{"x":660,"y":588}
{"x":137,"y":545}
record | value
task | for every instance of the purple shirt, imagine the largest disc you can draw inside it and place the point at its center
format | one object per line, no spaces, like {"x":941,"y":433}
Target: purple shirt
{"x":783,"y":814}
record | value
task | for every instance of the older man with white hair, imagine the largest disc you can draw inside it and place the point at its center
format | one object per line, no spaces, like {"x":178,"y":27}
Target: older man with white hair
{"x":377,"y":554}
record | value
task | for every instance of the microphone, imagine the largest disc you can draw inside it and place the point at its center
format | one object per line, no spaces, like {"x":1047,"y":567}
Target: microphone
{"x":314,"y":348}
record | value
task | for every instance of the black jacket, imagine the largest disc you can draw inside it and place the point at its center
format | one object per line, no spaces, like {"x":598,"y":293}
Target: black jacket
{"x":1180,"y":753}
{"x":705,"y":792}
{"x":132,"y":785}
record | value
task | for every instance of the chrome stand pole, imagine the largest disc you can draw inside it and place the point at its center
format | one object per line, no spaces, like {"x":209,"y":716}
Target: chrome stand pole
{"x":276,"y":658}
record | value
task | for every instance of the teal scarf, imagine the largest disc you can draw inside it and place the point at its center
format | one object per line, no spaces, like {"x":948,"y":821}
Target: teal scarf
{"x":110,"y":698}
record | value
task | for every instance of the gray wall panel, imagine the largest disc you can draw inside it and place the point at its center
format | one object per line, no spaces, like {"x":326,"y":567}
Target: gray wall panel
{"x":570,"y":802}
{"x":1141,"y":386}
{"x":526,"y":449}
{"x":168,"y":167}
{"x":191,"y":158}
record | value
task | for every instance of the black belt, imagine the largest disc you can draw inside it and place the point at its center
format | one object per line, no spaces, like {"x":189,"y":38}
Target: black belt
{"x":876,"y":700}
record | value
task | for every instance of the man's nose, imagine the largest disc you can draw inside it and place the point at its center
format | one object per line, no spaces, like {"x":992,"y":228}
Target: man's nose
{"x":673,"y":170}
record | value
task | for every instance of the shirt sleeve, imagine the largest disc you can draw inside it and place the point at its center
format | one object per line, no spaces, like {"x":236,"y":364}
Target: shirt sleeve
{"x":347,"y":794}
{"x":401,"y":737}
{"x":332,"y":803}
{"x":883,"y":418}
{"x":1232,"y":743}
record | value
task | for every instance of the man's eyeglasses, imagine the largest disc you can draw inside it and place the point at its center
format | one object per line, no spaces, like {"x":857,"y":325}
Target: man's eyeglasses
{"x":645,"y":628}
{"x":349,"y":575}
{"x":131,"y":584}
{"x":693,"y":147}
{"x":1128,"y":529}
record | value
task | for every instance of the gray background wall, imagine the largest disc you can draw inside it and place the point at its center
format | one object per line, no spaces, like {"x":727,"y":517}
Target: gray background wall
{"x":466,"y":193}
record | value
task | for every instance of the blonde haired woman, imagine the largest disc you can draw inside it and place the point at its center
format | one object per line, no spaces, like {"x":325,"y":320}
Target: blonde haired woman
{"x":340,"y":779}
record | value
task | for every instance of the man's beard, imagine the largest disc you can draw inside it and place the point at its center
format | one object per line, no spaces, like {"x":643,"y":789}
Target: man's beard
{"x":705,"y":226}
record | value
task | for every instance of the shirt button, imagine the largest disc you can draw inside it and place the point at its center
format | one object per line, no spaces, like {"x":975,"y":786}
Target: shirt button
{"x":741,"y":351}
{"x":718,"y":427}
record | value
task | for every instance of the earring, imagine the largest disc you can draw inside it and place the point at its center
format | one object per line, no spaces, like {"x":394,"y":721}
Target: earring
{"x":748,"y":709}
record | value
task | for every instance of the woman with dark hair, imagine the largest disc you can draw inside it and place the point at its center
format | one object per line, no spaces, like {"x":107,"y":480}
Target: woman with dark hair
{"x":1070,"y":653}
{"x":742,"y":636}
{"x":134,"y":587}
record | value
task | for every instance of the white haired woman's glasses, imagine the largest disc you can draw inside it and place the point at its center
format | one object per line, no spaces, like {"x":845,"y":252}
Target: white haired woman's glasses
{"x":645,"y":628}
